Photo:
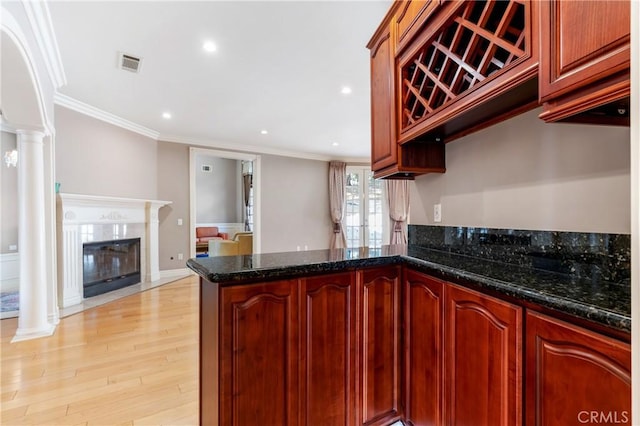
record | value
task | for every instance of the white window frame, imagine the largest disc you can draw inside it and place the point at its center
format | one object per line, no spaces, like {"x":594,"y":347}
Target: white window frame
{"x":364,"y":173}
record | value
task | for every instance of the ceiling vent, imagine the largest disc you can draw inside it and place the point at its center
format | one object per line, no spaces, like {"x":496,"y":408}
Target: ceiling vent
{"x":129,"y":62}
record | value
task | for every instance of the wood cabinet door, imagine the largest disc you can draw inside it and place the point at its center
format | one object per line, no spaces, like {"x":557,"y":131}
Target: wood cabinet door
{"x":423,"y":343}
{"x":259,"y":354}
{"x":380,"y":359}
{"x":384,"y":150}
{"x":575,"y":376}
{"x":582,"y":42}
{"x":328,"y":338}
{"x":483,"y":358}
{"x":410,"y":17}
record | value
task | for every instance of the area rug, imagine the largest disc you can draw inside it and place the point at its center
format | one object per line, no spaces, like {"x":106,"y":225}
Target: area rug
{"x":9,"y":301}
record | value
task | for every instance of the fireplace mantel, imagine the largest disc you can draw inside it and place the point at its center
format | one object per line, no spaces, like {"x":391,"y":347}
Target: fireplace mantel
{"x":87,"y":218}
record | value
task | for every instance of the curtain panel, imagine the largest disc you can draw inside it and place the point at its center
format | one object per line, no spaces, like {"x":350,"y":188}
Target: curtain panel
{"x":337,"y":195}
{"x":247,"y":182}
{"x":398,"y":192}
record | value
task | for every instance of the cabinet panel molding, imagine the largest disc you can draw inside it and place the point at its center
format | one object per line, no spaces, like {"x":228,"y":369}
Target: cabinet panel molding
{"x":259,"y":354}
{"x":423,"y":343}
{"x":585,"y":61}
{"x":384,"y":151}
{"x":381,"y":345}
{"x":573,"y":372}
{"x":328,"y":326}
{"x":483,"y":358}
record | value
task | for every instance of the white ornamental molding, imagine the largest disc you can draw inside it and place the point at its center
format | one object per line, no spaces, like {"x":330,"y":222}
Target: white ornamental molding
{"x":113,"y":216}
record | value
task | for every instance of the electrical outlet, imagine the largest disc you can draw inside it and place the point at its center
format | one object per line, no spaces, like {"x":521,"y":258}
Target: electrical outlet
{"x":180,"y":256}
{"x":180,"y":222}
{"x":437,"y":212}
{"x":13,"y":247}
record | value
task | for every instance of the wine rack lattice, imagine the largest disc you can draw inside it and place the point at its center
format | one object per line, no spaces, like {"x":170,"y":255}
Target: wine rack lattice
{"x":481,"y":39}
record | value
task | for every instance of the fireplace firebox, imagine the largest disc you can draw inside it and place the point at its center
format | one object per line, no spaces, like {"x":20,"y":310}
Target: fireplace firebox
{"x":110,"y":265}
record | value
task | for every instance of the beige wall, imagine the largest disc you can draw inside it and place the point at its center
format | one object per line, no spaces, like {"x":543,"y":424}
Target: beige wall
{"x":294,"y":204}
{"x":173,"y":185}
{"x":9,"y":203}
{"x":98,"y":158}
{"x":218,"y":192}
{"x":94,"y":157}
{"x":526,"y":174}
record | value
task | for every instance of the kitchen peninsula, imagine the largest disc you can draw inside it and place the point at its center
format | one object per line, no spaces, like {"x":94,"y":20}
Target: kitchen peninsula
{"x":372,"y":336}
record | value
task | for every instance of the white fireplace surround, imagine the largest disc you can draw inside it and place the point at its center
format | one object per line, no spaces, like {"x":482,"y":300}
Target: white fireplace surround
{"x":92,"y":218}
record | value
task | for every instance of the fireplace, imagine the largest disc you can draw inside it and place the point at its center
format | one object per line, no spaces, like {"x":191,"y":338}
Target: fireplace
{"x":88,"y":219}
{"x":110,"y":265}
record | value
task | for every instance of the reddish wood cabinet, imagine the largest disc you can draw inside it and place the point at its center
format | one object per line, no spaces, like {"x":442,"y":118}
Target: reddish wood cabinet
{"x":463,"y":355}
{"x":380,"y":361}
{"x":381,"y":344}
{"x":321,"y":350}
{"x":423,"y":349}
{"x":384,"y":151}
{"x":409,"y":18}
{"x":388,"y":159}
{"x":472,"y":65}
{"x":483,"y":359}
{"x":328,"y":341}
{"x":585,"y":57}
{"x":259,"y":357}
{"x":575,"y":376}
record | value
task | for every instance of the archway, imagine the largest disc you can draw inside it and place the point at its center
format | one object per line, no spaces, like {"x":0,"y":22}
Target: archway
{"x":23,"y":109}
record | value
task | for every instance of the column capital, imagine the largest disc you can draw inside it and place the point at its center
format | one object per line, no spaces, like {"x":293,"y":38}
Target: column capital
{"x":31,"y":135}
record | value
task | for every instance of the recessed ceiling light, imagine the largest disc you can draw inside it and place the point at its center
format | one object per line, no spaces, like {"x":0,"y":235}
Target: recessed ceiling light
{"x":166,"y":115}
{"x":264,"y":132}
{"x":209,"y":46}
{"x":346,"y":90}
{"x":335,"y":144}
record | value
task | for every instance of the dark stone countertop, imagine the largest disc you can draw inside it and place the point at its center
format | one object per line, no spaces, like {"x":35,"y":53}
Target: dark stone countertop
{"x":604,"y":302}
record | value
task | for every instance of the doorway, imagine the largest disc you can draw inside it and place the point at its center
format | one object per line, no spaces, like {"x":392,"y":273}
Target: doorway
{"x":226,"y":173}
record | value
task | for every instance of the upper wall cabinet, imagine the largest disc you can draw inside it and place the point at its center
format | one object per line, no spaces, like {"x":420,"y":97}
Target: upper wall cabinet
{"x":584,"y":62}
{"x":472,"y":65}
{"x":409,"y":18}
{"x":388,"y":159}
{"x":384,"y":152}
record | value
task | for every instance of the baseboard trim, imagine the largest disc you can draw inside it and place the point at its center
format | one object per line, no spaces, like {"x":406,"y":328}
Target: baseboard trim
{"x":169,"y":273}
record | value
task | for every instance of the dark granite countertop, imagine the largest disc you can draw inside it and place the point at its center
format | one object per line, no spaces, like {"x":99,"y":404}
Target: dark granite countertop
{"x":604,"y":302}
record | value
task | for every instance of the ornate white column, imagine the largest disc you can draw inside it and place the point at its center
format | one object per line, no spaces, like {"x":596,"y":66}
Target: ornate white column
{"x":33,"y":315}
{"x":153,"y":249}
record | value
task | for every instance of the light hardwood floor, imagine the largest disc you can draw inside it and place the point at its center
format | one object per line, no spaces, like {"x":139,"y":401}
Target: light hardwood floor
{"x":133,"y":361}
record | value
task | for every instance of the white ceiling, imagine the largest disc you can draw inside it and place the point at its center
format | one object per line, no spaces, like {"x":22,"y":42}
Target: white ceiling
{"x":279,"y":66}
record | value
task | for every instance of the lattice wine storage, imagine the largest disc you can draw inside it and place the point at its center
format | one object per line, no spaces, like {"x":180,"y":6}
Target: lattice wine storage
{"x":480,"y":39}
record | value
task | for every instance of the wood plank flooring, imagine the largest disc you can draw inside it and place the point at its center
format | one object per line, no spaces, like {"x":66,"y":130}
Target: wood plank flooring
{"x":133,"y":361}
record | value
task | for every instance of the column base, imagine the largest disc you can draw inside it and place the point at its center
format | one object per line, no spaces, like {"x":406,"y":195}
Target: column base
{"x":29,"y":334}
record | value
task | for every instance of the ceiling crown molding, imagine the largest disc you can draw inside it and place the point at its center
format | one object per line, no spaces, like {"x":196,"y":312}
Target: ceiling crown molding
{"x":91,"y":111}
{"x":254,"y":149}
{"x":40,"y":21}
